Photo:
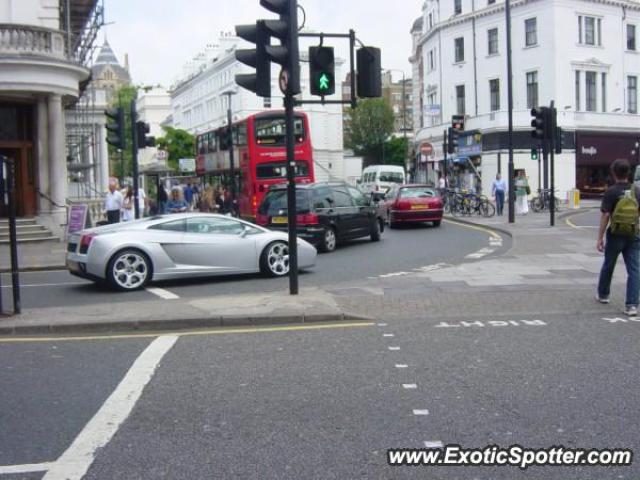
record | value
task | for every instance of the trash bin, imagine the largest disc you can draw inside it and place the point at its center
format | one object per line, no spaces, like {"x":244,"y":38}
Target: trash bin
{"x":573,"y":199}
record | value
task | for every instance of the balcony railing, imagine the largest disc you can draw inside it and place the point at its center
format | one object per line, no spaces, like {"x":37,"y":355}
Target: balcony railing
{"x":32,"y":40}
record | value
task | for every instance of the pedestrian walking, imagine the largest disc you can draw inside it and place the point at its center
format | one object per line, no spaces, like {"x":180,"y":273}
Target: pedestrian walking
{"x":127,"y":205}
{"x":163,"y":198}
{"x":113,"y":202}
{"x":187,"y":191}
{"x":498,"y":189}
{"x":442,"y":185}
{"x":522,"y":193}
{"x":618,"y":234}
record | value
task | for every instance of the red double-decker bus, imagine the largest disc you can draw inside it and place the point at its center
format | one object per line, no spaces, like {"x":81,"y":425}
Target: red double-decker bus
{"x":259,"y":157}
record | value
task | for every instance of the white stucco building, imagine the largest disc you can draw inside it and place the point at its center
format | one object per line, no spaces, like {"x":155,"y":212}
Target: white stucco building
{"x":154,"y":107}
{"x":44,"y":47}
{"x":198,"y":103}
{"x":584,"y":54}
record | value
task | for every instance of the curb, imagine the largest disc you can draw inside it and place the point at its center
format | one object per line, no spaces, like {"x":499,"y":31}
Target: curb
{"x":501,"y":230}
{"x":173,"y":325}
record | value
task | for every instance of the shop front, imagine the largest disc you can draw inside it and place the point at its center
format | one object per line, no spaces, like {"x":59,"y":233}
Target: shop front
{"x":595,"y":152}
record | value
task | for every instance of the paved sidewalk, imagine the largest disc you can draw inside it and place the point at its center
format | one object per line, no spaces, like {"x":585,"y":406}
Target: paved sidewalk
{"x":46,"y":255}
{"x":311,"y":306}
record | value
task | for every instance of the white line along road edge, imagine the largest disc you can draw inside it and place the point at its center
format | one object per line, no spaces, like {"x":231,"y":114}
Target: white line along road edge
{"x":28,"y":468}
{"x":76,"y":460}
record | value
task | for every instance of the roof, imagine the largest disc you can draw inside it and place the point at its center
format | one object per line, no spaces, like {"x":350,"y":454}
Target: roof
{"x":107,"y":58}
{"x":417,"y":25}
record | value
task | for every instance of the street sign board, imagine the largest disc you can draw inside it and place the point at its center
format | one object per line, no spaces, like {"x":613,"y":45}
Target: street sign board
{"x":187,"y":164}
{"x":78,"y":216}
{"x":457,"y":122}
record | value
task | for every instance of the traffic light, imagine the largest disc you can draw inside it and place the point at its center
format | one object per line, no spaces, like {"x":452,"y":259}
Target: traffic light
{"x":115,"y":128}
{"x":452,"y":139}
{"x":369,"y":60}
{"x":322,"y":71}
{"x":286,"y":30}
{"x":558,"y":140}
{"x":259,"y":82}
{"x":142,"y":129}
{"x":534,"y":154}
{"x":540,"y":123}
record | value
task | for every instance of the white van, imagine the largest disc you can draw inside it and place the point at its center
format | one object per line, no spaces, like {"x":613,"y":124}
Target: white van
{"x":380,"y":178}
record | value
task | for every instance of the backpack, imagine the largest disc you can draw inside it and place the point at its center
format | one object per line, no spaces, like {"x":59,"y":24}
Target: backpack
{"x":624,"y":220}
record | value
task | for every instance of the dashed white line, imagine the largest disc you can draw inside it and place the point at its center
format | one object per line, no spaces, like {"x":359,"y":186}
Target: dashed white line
{"x":421,"y":412}
{"x":26,"y":468}
{"x":388,"y":335}
{"x":401,"y":365}
{"x":162,"y":293}
{"x":394,"y":349}
{"x":409,"y":386}
{"x":434,"y":444}
{"x":383,"y":325}
{"x":74,"y":463}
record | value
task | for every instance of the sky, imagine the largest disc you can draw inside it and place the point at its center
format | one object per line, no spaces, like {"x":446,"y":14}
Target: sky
{"x":160,"y":36}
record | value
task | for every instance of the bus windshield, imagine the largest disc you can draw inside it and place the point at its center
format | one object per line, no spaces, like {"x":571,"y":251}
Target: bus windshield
{"x":270,"y":132}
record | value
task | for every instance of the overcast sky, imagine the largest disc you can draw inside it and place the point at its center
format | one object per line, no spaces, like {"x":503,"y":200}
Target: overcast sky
{"x":161,"y":35}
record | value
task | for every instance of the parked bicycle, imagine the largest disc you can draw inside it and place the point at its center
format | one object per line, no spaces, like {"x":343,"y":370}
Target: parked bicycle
{"x":542,"y":202}
{"x":469,"y":204}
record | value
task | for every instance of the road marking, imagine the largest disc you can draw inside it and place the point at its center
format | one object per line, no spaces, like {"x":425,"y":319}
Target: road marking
{"x":27,"y":468}
{"x":434,"y":444}
{"x":74,"y":463}
{"x":401,"y":365}
{"x":394,"y":349}
{"x":415,"y":412}
{"x":162,"y":293}
{"x":219,"y":331}
{"x":388,"y":335}
{"x":622,"y":320}
{"x":493,"y":323}
{"x":409,"y":386}
{"x":475,"y":227}
{"x":383,"y":325}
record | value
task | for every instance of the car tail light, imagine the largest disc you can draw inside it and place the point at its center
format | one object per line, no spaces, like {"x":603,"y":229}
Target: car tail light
{"x":254,"y":203}
{"x":262,"y":220}
{"x":308,"y":219}
{"x":85,"y":241}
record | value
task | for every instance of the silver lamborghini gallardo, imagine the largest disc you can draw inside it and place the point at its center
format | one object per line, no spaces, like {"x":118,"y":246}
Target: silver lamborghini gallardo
{"x":129,"y":255}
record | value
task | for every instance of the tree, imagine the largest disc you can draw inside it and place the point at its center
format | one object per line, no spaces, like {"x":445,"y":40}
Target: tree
{"x":372,"y":122}
{"x":177,"y":143}
{"x":395,"y":151}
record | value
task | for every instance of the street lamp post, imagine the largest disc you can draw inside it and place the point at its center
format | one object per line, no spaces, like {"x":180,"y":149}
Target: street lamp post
{"x":232,"y":172}
{"x":512,"y":193}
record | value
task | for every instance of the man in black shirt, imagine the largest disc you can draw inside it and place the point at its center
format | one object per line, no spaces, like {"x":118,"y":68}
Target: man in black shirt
{"x":617,"y":244}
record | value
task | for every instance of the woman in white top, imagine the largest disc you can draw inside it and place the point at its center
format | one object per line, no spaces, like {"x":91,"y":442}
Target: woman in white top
{"x":127,"y":206}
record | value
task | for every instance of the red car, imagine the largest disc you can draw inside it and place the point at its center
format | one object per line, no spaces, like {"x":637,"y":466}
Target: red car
{"x":412,"y":204}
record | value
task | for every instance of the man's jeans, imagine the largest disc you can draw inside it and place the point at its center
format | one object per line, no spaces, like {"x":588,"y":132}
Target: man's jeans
{"x":630,"y":249}
{"x":500,"y":201}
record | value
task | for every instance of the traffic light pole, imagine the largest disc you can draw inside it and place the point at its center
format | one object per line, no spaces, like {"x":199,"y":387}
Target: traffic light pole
{"x":232,"y":169}
{"x":512,"y":193}
{"x":444,"y":146}
{"x":289,"y":103}
{"x":552,"y":148}
{"x":134,"y":156}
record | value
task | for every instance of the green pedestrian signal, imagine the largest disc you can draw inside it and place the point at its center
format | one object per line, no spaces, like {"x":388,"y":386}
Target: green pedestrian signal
{"x":322,"y":71}
{"x":323,"y":84}
{"x":534,"y":154}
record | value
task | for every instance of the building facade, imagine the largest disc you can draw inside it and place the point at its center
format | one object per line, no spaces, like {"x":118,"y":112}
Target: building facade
{"x":198,"y":102}
{"x":399,"y":95}
{"x":582,"y":54}
{"x":44,"y":48}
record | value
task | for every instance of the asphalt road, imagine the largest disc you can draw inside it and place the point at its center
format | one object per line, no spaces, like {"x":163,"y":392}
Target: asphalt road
{"x":399,"y":250}
{"x":327,"y":403}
